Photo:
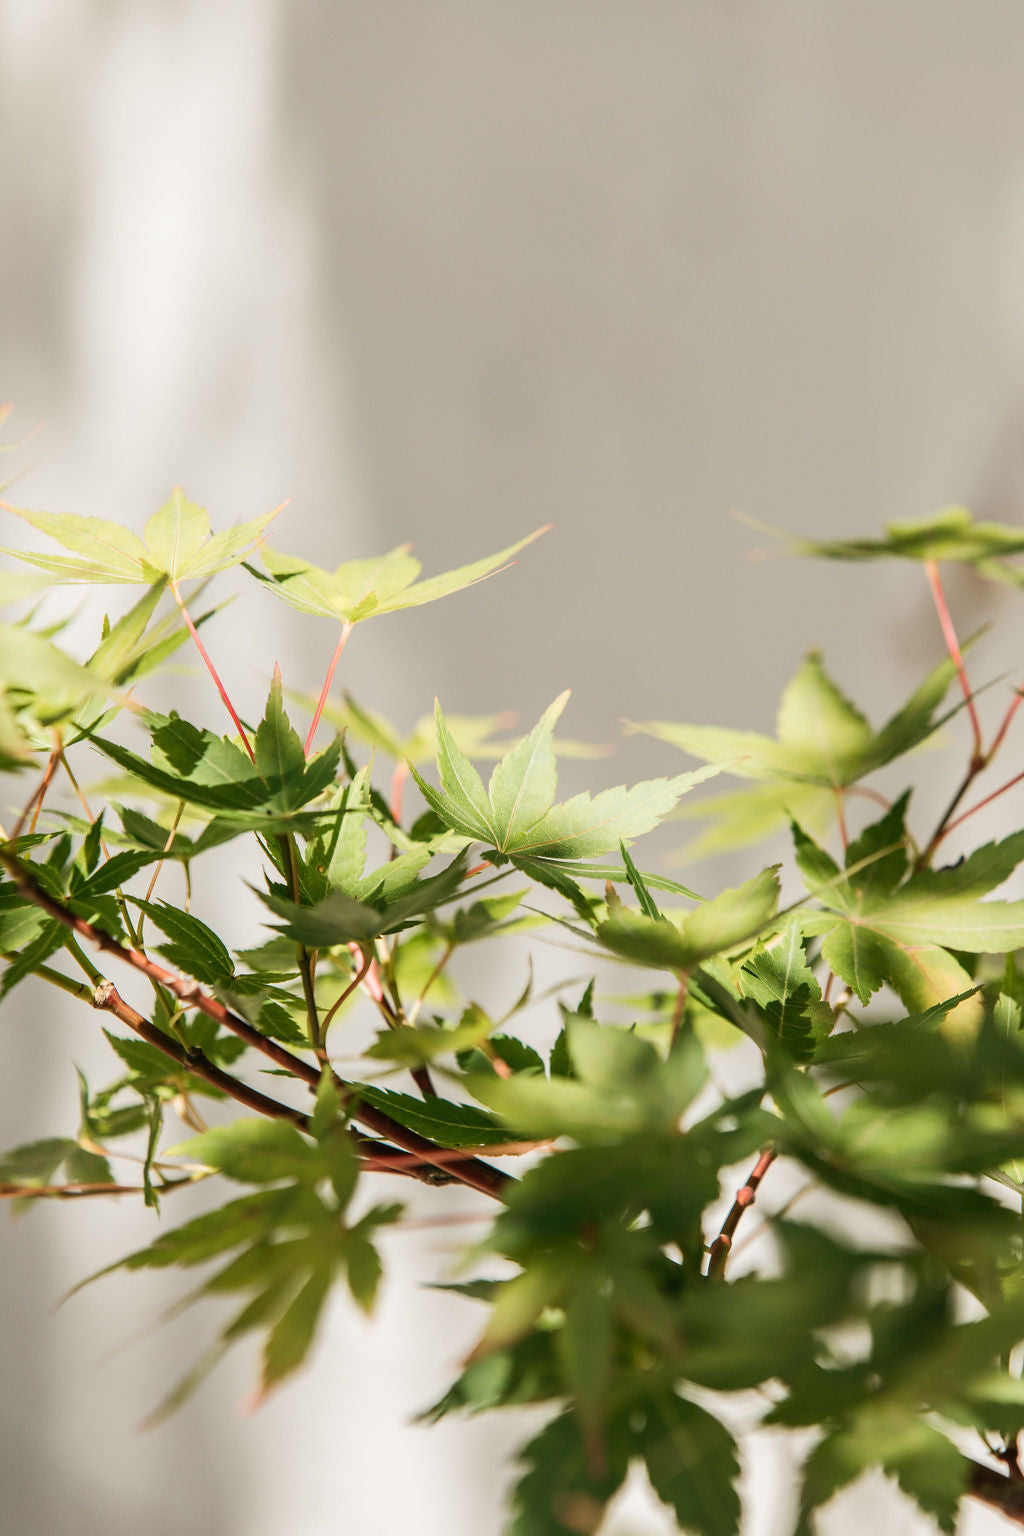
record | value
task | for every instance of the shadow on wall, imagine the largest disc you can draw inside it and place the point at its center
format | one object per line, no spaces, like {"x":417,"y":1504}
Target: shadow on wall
{"x":445,"y":273}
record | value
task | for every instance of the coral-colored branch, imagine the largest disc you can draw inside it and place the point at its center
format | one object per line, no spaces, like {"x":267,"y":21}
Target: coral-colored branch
{"x":1007,"y":721}
{"x":996,"y":1489}
{"x":467,"y":1170}
{"x":35,"y":802}
{"x":722,"y":1244}
{"x":239,"y":727}
{"x":953,"y":647}
{"x":346,"y":630}
{"x":982,"y":803}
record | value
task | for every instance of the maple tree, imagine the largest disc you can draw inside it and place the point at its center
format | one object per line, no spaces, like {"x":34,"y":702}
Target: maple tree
{"x":880,"y":1008}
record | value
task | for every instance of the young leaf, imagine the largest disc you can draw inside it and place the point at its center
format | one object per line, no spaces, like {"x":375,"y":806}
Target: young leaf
{"x":55,"y":684}
{"x":450,"y":1125}
{"x":254,"y":1151}
{"x":876,"y":930}
{"x":414,"y":1047}
{"x":289,"y":1340}
{"x":712,"y":929}
{"x":647,"y":904}
{"x":363,"y":589}
{"x":951,"y":534}
{"x":778,"y":979}
{"x":339,"y":919}
{"x":586,"y":826}
{"x":194,"y":947}
{"x":178,"y":545}
{"x":111,"y":553}
{"x":823,"y":743}
{"x":522,"y":787}
{"x":279,"y":756}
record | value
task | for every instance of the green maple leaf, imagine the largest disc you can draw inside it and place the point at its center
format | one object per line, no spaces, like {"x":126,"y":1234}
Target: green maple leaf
{"x":719,"y":925}
{"x":363,"y":589}
{"x":475,"y":734}
{"x":878,"y":927}
{"x":949,"y":534}
{"x":177,"y":544}
{"x":823,"y":744}
{"x":515,"y":813}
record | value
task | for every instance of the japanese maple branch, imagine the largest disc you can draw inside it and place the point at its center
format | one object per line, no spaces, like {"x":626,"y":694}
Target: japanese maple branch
{"x":996,"y":1489}
{"x":953,"y":647}
{"x":35,"y":801}
{"x":468,"y":1170}
{"x":365,"y":961}
{"x":722,"y":1244}
{"x":414,"y":1011}
{"x":390,"y":1004}
{"x":346,"y":630}
{"x":239,"y":727}
{"x":106,"y":997}
{"x":375,"y":1155}
{"x":134,"y":929}
{"x":979,"y":757}
{"x":80,"y":1191}
{"x":679,"y":1008}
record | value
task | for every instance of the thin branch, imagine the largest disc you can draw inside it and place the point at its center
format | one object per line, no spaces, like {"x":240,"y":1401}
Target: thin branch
{"x":1007,"y":721}
{"x":168,"y":845}
{"x":680,"y":1007}
{"x":446,"y":954}
{"x":35,"y":801}
{"x":745,"y":1198}
{"x":996,"y":1489}
{"x":239,"y":727}
{"x":106,"y":997}
{"x":468,"y":1170}
{"x":953,"y":647}
{"x":377,"y":1156}
{"x":83,"y":802}
{"x":78,"y":1191}
{"x":779,"y":1215}
{"x":398,"y":779}
{"x":982,"y":803}
{"x":367,"y":961}
{"x":346,"y":630}
{"x":937,"y":836}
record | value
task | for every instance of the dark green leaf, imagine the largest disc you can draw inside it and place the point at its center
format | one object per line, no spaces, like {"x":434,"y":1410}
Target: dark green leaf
{"x":692,"y":1463}
{"x":194,"y":948}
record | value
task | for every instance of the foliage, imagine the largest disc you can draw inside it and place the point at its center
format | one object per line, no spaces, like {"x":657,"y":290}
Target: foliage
{"x":879,"y":1007}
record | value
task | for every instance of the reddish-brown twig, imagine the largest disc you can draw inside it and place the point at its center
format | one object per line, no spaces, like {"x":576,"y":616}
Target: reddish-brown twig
{"x":996,"y":1489}
{"x":346,"y":630}
{"x":722,"y":1244}
{"x":239,"y":727}
{"x":950,"y":826}
{"x":469,"y":1170}
{"x":79,"y":1191}
{"x":953,"y":647}
{"x":35,"y":802}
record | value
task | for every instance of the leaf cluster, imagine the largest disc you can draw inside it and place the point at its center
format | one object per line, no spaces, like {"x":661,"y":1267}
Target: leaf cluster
{"x":868,"y":984}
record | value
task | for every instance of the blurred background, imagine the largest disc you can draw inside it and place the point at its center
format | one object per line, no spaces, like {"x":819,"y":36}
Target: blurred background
{"x":444,"y":272}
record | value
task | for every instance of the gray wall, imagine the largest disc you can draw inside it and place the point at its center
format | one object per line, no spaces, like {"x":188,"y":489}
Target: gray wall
{"x":445,"y":272}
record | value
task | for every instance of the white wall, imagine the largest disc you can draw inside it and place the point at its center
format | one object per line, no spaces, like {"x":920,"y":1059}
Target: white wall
{"x":446,"y":272}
